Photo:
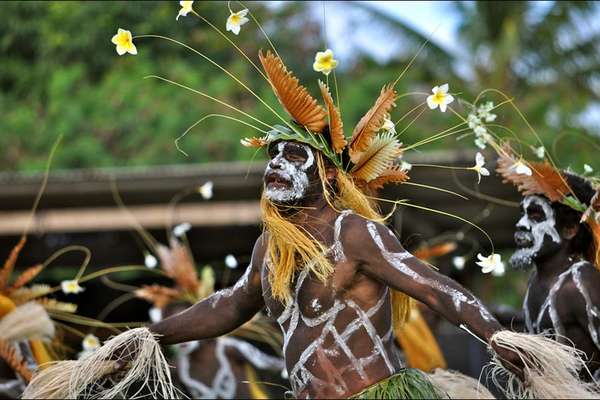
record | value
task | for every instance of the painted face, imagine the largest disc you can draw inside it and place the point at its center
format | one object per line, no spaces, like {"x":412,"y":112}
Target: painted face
{"x":536,"y":234}
{"x":286,"y":178}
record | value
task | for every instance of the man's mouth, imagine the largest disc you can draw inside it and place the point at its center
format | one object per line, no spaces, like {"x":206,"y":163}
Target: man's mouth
{"x":523,"y":239}
{"x":275,"y":181}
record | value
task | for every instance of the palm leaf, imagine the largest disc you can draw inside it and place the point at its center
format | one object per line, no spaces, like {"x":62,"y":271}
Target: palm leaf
{"x":378,"y":157}
{"x":296,"y":100}
{"x":394,"y":174}
{"x":55,"y":305}
{"x":9,"y":264}
{"x":336,"y":126}
{"x":158,"y":295}
{"x":371,"y":122}
{"x":27,"y":276}
{"x":24,"y":294}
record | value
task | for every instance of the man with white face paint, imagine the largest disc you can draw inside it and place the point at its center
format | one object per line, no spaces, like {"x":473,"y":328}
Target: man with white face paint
{"x":563,"y":295}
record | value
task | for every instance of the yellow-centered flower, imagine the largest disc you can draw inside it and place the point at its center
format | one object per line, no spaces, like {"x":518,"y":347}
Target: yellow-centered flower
{"x":440,"y":97}
{"x":124,"y":42}
{"x":186,"y":7}
{"x":90,"y":343}
{"x":71,"y":286}
{"x":479,"y":167}
{"x":236,"y":20}
{"x":324,"y":62}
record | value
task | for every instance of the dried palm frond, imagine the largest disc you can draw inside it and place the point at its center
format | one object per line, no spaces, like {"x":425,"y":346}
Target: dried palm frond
{"x":24,"y":294}
{"x":27,"y":276}
{"x":377,"y":157}
{"x":294,"y":98}
{"x":394,"y":174}
{"x":438,"y":250}
{"x":593,"y":210}
{"x":594,"y":249}
{"x":25,"y":322}
{"x":55,"y":305}
{"x":9,"y":264}
{"x":253,"y":142}
{"x":158,"y":295}
{"x":544,"y":180}
{"x":336,"y":126}
{"x":8,"y":354}
{"x":371,"y":122}
{"x":178,"y":263}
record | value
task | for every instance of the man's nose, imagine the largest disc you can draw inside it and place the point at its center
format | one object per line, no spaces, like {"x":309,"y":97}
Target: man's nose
{"x":275,"y":163}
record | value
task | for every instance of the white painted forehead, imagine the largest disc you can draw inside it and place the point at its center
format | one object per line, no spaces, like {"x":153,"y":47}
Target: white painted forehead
{"x":540,"y":201}
{"x":282,"y":144}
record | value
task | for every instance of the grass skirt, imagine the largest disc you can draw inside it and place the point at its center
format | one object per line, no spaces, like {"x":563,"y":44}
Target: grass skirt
{"x":409,"y":383}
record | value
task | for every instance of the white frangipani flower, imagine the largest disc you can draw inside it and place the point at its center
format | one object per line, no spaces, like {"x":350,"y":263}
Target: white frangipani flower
{"x":186,"y":7}
{"x":90,"y":343}
{"x":236,"y":20}
{"x":479,"y":167}
{"x":440,"y":97}
{"x":181,"y":229}
{"x":155,"y":314}
{"x":150,"y":261}
{"x":540,"y":152}
{"x":231,"y":261}
{"x":459,"y":262}
{"x":489,"y":263}
{"x":405,"y":166}
{"x":499,"y":271}
{"x":587,"y":169}
{"x":388,"y":125}
{"x":324,"y":62}
{"x":71,"y":286}
{"x":521,"y":168}
{"x":206,"y":190}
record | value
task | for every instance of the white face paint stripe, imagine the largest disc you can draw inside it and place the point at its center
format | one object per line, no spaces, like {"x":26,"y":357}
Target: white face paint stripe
{"x":396,"y":260}
{"x":538,"y":230}
{"x":289,"y":171}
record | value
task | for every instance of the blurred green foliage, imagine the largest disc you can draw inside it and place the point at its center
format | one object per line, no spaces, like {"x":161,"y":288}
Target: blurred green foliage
{"x":60,"y":74}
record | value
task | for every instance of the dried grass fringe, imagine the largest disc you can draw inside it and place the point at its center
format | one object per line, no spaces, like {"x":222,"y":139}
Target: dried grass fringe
{"x":458,"y":386}
{"x":148,"y":368}
{"x":27,"y":321}
{"x":551,"y":372}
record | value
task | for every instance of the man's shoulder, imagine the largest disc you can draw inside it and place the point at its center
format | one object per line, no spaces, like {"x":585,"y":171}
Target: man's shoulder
{"x":356,"y":229}
{"x":586,"y":274}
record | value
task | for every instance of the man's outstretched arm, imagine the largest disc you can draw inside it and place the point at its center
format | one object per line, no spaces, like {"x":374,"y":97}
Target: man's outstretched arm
{"x":382,"y":257}
{"x":221,"y":312}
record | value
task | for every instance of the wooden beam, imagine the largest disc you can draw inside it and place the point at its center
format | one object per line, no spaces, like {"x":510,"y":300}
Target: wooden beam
{"x":112,"y":218}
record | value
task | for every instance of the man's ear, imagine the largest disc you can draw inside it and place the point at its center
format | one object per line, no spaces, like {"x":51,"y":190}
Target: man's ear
{"x":330,"y":174}
{"x":569,"y":232}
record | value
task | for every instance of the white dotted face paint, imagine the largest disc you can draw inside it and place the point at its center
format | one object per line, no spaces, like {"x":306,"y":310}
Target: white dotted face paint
{"x":285,"y":177}
{"x":537,"y":222}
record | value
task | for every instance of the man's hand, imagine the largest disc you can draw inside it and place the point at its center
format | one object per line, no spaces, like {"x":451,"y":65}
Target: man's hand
{"x":510,"y":360}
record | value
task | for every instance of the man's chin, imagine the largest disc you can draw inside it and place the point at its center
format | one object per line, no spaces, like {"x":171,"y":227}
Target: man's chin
{"x":522,"y":260}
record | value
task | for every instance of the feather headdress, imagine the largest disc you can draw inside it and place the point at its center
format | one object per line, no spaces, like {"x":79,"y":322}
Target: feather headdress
{"x":552,"y":183}
{"x":371,"y":151}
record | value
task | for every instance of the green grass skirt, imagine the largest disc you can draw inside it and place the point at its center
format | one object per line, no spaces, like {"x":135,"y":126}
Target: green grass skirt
{"x":409,"y":383}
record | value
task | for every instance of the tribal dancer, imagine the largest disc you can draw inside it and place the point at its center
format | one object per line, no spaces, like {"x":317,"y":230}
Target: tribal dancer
{"x":326,"y":268}
{"x":221,"y":368}
{"x":560,"y":239}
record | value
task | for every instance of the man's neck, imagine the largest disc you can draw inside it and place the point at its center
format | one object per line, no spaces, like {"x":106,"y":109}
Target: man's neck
{"x":555,"y":264}
{"x":315,"y":212}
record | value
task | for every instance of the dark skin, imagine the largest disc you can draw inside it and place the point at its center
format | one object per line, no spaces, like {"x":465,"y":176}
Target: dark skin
{"x":370,"y":267}
{"x":554,"y":260}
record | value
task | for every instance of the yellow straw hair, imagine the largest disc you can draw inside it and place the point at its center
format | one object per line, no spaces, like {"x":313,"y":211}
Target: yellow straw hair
{"x":291,"y":247}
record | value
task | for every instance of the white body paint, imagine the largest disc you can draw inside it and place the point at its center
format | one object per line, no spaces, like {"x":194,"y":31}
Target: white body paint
{"x":292,"y":173}
{"x":242,"y":283}
{"x":397,"y":261}
{"x":224,"y":384}
{"x":301,"y":376}
{"x":549,"y":306}
{"x":539,"y":230}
